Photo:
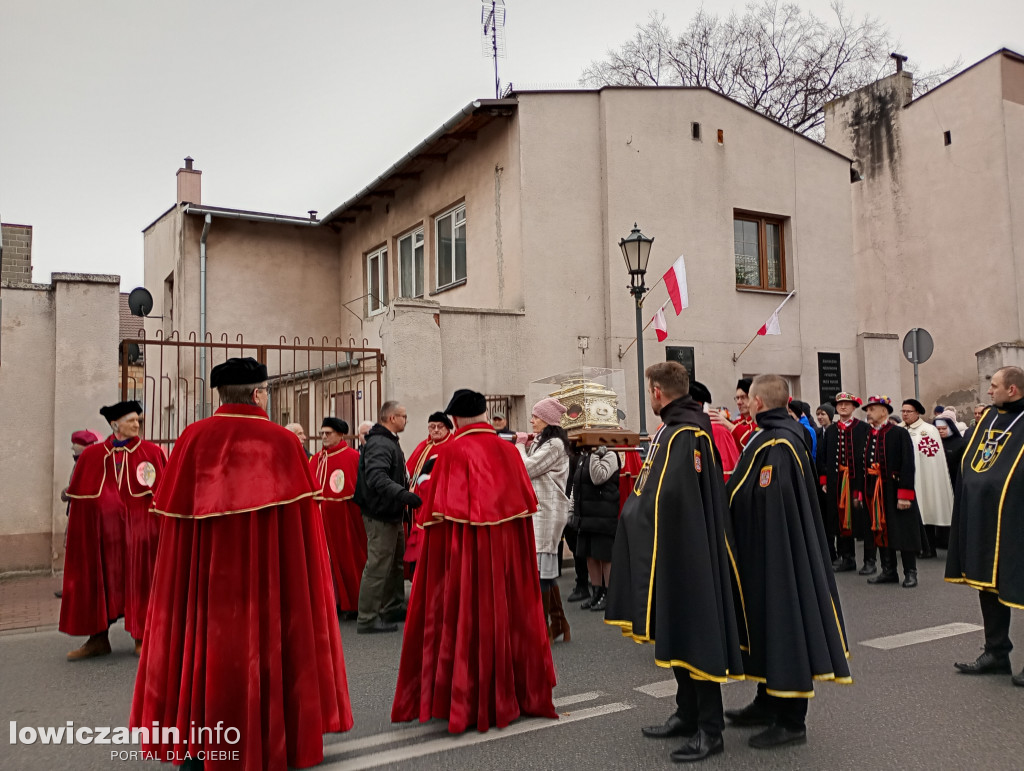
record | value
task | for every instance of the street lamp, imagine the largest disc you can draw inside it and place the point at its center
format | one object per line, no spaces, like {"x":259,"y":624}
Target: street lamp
{"x":636,"y":250}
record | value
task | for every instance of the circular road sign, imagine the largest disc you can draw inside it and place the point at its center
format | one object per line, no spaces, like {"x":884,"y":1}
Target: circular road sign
{"x":918,"y":346}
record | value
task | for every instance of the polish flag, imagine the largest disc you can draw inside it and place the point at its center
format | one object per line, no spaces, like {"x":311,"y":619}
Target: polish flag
{"x":660,"y":326}
{"x":771,"y":326}
{"x":675,"y":282}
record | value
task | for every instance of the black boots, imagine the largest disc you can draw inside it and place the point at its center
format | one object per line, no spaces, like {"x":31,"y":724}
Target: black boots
{"x":888,"y":574}
{"x":910,"y":580}
{"x":869,"y":569}
{"x":597,"y":601}
{"x":581,"y":592}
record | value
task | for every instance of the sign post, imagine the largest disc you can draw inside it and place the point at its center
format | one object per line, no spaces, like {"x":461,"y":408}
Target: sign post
{"x":918,"y":347}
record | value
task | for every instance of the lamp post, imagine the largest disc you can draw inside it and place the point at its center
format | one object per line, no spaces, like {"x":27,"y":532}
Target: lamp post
{"x":636,"y":250}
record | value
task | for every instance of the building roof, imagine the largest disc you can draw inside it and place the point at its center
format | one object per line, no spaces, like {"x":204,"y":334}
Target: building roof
{"x":1001,"y":52}
{"x":463,"y":125}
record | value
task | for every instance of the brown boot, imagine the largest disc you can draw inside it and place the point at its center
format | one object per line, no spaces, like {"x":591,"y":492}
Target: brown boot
{"x":96,"y":645}
{"x":559,"y":625}
{"x":545,"y":598}
{"x":138,"y":647}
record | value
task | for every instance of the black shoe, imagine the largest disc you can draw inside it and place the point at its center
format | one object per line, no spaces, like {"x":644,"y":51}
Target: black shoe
{"x":698,"y":747}
{"x":598,"y":592}
{"x":751,"y":715}
{"x":885,"y":577}
{"x":670,"y":728}
{"x":987,"y":664}
{"x":910,"y":580}
{"x":869,"y":569}
{"x":377,"y":627}
{"x":581,"y":592}
{"x":348,"y":615}
{"x":844,"y":565}
{"x":600,"y":602}
{"x":777,"y":736}
{"x":59,"y":593}
{"x":1018,"y":679}
{"x":394,"y":616}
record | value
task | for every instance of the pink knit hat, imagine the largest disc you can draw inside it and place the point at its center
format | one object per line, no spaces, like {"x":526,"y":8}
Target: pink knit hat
{"x":549,"y":410}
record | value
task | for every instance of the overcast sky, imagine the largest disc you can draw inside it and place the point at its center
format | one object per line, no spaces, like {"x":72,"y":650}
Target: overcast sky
{"x":294,"y":106}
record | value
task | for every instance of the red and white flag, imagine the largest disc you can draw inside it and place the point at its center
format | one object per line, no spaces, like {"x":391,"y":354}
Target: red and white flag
{"x":771,"y":326}
{"x":675,"y":282}
{"x":660,"y":326}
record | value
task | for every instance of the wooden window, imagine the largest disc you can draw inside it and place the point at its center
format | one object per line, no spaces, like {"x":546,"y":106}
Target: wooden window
{"x":760,"y":252}
{"x":376,"y":281}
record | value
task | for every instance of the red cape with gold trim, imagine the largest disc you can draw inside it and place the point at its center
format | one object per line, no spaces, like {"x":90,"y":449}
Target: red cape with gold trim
{"x":242,"y":627}
{"x":424,"y":451}
{"x":334,"y":474}
{"x":476,"y":650}
{"x":111,"y":537}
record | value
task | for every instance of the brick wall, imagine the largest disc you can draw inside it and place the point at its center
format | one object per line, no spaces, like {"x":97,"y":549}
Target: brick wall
{"x":17,"y":255}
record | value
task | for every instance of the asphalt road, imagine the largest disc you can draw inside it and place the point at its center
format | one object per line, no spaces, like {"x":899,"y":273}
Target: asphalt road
{"x":907,"y":708}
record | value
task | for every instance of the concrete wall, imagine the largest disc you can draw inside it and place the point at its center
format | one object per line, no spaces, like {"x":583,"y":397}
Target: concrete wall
{"x":16,"y":267}
{"x":629,"y":157}
{"x":58,"y":366}
{"x":935,"y":223}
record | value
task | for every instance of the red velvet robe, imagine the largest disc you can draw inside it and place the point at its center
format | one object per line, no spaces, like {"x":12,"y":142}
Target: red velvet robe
{"x":112,"y":537}
{"x":334,"y":474}
{"x":242,"y":627}
{"x":476,"y":650}
{"x":424,"y":451}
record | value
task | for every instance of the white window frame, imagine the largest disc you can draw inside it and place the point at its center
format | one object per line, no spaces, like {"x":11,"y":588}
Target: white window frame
{"x":416,"y":274}
{"x":453,"y":212}
{"x":379,"y":293}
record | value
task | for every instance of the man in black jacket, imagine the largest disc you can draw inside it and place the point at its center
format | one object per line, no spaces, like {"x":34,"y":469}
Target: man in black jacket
{"x":382,"y":493}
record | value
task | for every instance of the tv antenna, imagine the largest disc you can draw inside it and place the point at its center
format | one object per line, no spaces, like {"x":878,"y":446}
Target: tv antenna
{"x":492,"y":16}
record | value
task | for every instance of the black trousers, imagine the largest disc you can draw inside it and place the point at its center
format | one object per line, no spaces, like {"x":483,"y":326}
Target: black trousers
{"x":909,"y":559}
{"x":789,"y":713}
{"x":996,"y":618}
{"x":846,"y":546}
{"x":579,"y":564}
{"x":698,"y":704}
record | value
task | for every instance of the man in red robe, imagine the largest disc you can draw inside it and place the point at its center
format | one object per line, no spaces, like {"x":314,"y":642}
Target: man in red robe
{"x":439,"y":431}
{"x":112,"y":536}
{"x":476,"y":650}
{"x":334,"y":471}
{"x":727,"y":447}
{"x":745,"y":426}
{"x":242,"y":633}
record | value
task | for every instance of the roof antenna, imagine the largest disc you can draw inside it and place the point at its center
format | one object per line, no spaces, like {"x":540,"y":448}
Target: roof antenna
{"x":492,"y":16}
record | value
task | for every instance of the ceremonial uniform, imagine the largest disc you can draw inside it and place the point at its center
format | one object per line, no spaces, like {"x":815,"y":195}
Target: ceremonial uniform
{"x":841,"y":472}
{"x":986,"y":540}
{"x":672,"y":580}
{"x":242,"y":630}
{"x":112,"y":537}
{"x":889,"y":465}
{"x":334,"y":471}
{"x":475,"y":650}
{"x":742,"y":430}
{"x":931,"y":482}
{"x":790,"y":620}
{"x":417,"y":461}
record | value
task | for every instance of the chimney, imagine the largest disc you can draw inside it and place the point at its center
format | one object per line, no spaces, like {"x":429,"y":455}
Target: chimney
{"x":189,"y":184}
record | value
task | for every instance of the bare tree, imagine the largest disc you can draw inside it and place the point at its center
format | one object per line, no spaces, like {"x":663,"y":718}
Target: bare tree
{"x":776,"y":58}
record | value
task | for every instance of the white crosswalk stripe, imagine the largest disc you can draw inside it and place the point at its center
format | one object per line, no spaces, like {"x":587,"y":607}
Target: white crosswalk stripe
{"x":921,"y":636}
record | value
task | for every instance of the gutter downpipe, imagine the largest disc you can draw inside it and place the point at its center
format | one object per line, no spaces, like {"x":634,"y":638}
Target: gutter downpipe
{"x":202,"y":307}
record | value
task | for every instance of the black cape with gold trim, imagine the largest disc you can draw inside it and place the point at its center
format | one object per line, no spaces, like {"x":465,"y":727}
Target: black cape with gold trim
{"x":794,"y":622}
{"x":682,"y":599}
{"x":986,"y":538}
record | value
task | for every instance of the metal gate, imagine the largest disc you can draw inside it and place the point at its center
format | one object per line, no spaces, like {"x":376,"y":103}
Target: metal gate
{"x":307,"y":381}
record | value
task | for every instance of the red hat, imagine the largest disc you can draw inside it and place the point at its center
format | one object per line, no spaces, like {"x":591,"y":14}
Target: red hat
{"x":85,"y":438}
{"x":846,"y":396}
{"x":881,"y":400}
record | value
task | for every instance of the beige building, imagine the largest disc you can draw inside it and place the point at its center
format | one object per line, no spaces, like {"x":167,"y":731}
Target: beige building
{"x":488,"y":256}
{"x":938,"y":215}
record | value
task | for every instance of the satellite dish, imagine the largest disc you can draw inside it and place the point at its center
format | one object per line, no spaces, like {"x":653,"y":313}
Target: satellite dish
{"x":140,"y":301}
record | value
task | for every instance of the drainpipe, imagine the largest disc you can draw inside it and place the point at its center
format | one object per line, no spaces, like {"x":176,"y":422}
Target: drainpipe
{"x":202,"y":305}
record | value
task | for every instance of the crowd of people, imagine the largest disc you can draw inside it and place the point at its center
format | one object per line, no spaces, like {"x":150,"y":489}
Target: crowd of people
{"x":231,"y":566}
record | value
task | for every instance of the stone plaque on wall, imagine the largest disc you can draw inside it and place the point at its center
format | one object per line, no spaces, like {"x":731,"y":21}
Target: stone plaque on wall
{"x":830,"y":377}
{"x":684,"y":355}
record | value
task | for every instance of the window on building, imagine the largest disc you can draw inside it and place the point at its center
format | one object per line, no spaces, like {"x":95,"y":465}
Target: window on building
{"x":377,"y":280}
{"x":760,"y":252}
{"x":451,"y":246}
{"x":410,"y":264}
